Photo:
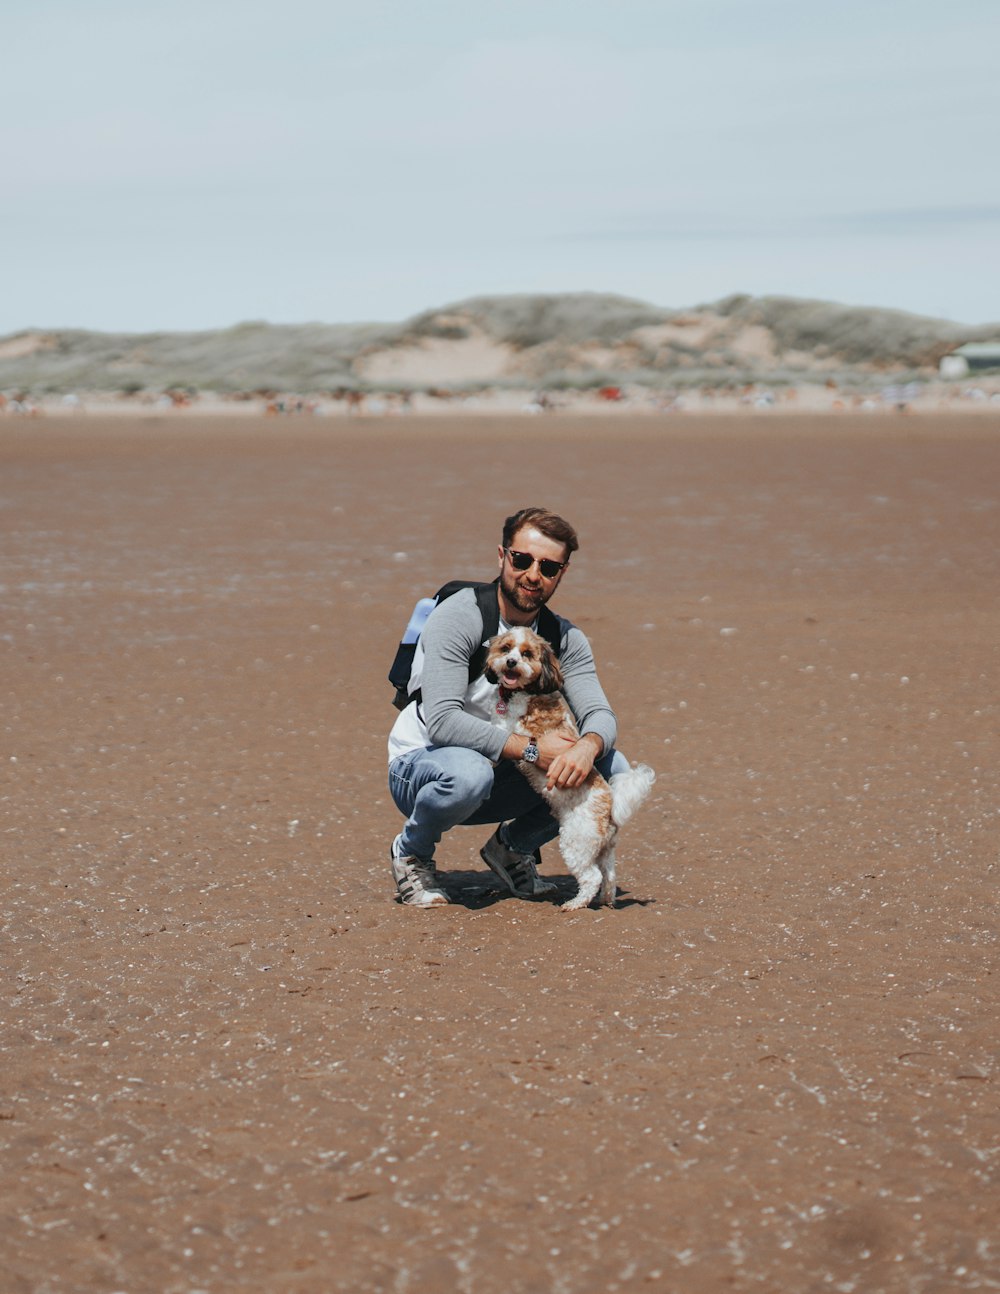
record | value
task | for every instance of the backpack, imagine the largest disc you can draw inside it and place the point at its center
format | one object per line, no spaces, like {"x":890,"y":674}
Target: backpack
{"x":486,"y":599}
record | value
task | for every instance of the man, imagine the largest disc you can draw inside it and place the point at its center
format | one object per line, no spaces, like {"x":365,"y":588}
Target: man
{"x":450,"y":765}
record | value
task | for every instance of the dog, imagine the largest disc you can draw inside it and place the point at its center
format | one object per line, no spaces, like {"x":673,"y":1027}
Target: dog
{"x":530,"y":703}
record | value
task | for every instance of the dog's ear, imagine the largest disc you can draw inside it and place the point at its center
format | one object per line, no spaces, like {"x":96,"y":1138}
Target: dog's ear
{"x":489,"y":673}
{"x":550,"y":677}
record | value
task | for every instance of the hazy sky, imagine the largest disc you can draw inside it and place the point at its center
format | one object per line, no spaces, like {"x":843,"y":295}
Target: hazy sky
{"x":202,"y":162}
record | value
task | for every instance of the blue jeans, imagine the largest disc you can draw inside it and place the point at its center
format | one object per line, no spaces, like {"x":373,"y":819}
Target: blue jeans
{"x":449,"y":786}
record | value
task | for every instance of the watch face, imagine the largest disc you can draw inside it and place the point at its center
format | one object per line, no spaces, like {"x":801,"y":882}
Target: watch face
{"x":530,"y":753}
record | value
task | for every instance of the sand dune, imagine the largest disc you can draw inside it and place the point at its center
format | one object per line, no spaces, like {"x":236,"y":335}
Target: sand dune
{"x":568,"y":341}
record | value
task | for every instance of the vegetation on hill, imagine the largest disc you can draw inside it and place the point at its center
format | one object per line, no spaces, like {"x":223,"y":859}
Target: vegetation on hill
{"x":524,"y":321}
{"x":854,"y":334}
{"x":570,"y":339}
{"x":247,"y":356}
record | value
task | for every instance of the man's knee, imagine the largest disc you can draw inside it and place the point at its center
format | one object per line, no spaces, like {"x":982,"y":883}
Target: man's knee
{"x":464,"y":774}
{"x":612,"y":762}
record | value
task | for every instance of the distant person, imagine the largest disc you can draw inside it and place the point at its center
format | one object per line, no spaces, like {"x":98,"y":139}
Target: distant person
{"x":449,"y":765}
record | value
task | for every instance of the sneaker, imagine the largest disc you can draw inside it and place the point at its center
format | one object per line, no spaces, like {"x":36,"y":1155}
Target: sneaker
{"x":519,"y":872}
{"x":416,"y":879}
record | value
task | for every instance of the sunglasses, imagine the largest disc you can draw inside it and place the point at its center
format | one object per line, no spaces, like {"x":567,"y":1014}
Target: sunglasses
{"x":525,"y":561}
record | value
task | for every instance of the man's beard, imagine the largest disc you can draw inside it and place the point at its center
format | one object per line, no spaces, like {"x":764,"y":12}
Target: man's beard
{"x":516,"y":595}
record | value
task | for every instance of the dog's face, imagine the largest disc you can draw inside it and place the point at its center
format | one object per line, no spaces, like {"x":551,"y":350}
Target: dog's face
{"x":521,"y":661}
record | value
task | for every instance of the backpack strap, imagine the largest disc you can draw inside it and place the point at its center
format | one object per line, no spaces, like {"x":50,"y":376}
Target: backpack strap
{"x":550,"y":629}
{"x":489,"y":609}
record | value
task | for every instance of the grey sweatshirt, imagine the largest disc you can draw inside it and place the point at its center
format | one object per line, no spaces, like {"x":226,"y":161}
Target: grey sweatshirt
{"x":455,"y":712}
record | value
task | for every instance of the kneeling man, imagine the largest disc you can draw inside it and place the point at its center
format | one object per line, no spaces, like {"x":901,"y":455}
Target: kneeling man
{"x":450,"y":765}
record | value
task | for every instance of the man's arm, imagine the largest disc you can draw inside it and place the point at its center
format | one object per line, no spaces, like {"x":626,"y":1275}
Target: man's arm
{"x":596,"y":720}
{"x":450,"y":638}
{"x":582,"y":689}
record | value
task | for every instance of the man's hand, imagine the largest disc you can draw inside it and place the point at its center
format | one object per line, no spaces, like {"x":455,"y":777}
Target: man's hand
{"x":553,"y":746}
{"x":571,"y":767}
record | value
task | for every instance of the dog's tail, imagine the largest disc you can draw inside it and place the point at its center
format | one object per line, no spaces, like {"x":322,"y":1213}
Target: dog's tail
{"x":628,"y":790}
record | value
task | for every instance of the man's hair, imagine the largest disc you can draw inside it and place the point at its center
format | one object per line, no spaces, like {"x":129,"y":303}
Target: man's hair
{"x":547,"y":522}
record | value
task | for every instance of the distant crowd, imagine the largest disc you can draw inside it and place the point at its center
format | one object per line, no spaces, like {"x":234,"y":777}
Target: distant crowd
{"x":901,"y":397}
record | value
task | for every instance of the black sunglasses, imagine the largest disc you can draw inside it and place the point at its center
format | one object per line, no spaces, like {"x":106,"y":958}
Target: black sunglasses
{"x":525,"y":561}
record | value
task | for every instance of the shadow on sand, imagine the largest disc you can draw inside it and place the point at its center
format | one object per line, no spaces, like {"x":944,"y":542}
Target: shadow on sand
{"x":481,"y":889}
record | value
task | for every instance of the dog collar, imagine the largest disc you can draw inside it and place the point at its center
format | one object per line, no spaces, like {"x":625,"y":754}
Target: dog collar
{"x":503,"y":700}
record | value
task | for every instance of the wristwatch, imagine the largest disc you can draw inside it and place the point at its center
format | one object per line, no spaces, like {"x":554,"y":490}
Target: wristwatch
{"x":530,"y":752}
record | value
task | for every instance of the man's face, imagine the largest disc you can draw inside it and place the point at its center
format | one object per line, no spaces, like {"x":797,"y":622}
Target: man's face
{"x":529,"y":589}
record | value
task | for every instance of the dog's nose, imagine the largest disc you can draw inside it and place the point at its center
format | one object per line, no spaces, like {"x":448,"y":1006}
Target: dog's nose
{"x":511,"y":662}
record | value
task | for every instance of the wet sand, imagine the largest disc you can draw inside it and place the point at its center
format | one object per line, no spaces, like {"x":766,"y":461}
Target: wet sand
{"x":232,"y":1062}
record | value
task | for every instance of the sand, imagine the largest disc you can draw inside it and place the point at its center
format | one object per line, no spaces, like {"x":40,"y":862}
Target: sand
{"x":232,"y":1062}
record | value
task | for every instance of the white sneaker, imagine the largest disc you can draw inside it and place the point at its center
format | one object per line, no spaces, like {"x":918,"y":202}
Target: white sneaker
{"x":519,"y":872}
{"x":416,"y":879}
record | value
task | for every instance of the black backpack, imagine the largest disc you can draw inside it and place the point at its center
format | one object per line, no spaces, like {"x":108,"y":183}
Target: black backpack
{"x":486,"y":599}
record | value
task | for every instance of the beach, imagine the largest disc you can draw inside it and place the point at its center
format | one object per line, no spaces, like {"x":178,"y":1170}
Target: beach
{"x":233,"y":1062}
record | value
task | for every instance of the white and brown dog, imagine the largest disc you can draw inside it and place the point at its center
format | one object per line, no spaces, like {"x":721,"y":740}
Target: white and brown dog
{"x":530,"y":703}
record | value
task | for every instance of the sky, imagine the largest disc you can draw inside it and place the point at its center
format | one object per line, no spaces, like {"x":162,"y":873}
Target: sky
{"x":199,"y":163}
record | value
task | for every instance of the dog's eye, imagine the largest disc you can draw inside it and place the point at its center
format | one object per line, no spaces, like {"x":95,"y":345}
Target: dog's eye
{"x":528,"y":654}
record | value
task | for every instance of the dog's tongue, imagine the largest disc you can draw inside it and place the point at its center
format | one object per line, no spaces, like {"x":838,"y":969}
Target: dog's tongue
{"x":510,"y":677}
